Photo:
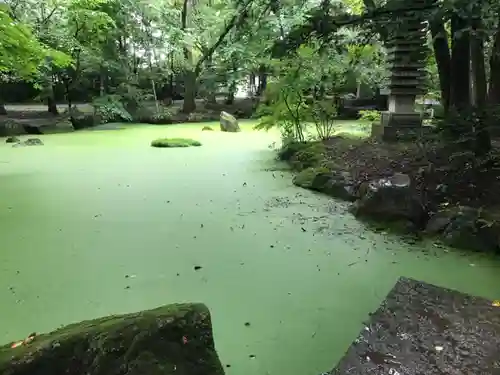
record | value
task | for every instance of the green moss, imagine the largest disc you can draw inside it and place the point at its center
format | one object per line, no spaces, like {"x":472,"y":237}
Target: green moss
{"x":175,"y":339}
{"x":302,"y":155}
{"x":175,"y":142}
{"x":307,"y":177}
{"x":205,"y":128}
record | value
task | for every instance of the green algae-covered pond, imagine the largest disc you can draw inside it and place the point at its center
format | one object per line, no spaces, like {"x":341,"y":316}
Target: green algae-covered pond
{"x":95,"y":223}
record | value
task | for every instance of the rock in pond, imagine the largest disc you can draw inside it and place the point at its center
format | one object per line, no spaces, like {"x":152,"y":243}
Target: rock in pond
{"x":207,"y":128}
{"x":391,"y":199}
{"x":29,"y":142}
{"x":466,"y":227}
{"x":228,"y":123}
{"x":12,"y":140}
{"x":335,"y":184}
{"x":174,"y":339}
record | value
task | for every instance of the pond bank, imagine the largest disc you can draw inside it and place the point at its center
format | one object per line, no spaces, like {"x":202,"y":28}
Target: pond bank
{"x":430,"y":189}
{"x":98,"y":222}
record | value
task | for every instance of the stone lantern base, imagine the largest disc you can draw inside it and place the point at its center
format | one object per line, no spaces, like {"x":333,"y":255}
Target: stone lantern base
{"x":396,"y":126}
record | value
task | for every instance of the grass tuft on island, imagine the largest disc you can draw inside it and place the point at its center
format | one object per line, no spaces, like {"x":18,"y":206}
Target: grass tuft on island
{"x":175,"y":142}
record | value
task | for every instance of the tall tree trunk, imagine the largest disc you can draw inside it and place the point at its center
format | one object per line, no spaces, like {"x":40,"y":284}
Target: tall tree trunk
{"x":51,"y":101}
{"x":52,"y":105}
{"x":262,"y":80}
{"x":102,"y":83}
{"x":478,"y":80}
{"x":460,"y":63}
{"x":190,"y":76}
{"x":443,"y":60}
{"x":494,"y":87}
{"x":189,"y":103}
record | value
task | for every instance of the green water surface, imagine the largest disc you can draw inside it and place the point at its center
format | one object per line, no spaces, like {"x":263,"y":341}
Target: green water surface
{"x":88,"y":209}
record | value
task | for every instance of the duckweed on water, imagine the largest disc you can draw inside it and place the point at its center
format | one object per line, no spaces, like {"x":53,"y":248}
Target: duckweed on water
{"x":175,"y":142}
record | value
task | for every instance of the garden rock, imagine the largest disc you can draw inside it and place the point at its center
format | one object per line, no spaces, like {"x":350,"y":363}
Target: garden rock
{"x":174,"y":339}
{"x":207,"y":128}
{"x":12,"y":140}
{"x":390,"y":199}
{"x":228,"y":123}
{"x":29,"y":142}
{"x":33,"y":142}
{"x":335,"y":184}
{"x":466,"y":227}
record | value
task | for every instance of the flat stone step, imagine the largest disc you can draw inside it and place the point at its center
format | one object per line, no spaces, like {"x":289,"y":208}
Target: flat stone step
{"x":424,"y":329}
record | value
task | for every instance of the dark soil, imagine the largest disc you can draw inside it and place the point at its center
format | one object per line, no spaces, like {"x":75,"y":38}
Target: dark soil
{"x":442,"y":174}
{"x":424,"y":329}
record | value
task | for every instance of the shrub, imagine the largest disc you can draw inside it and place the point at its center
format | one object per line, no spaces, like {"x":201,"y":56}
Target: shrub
{"x":174,"y":142}
{"x":302,"y":155}
{"x":110,"y":108}
{"x":370,"y":115}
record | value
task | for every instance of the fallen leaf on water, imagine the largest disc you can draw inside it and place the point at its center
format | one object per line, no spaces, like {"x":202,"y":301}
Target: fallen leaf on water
{"x":496,"y":303}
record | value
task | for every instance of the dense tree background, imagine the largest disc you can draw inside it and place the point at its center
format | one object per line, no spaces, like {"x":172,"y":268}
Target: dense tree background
{"x":136,"y":51}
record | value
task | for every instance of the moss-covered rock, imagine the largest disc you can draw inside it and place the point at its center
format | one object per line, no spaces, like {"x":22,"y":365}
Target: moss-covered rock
{"x":175,"y":142}
{"x":174,"y":339}
{"x":207,"y":128}
{"x":311,"y":178}
{"x":467,"y":228}
{"x":302,"y":155}
{"x":12,"y":139}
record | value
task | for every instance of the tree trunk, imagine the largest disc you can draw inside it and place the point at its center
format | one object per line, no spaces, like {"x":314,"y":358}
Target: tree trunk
{"x":478,"y":79}
{"x":262,"y":80}
{"x":442,"y":55}
{"x":231,"y":93}
{"x":189,"y":104}
{"x":494,"y":87}
{"x":102,"y":87}
{"x":460,"y":64}
{"x":51,"y":105}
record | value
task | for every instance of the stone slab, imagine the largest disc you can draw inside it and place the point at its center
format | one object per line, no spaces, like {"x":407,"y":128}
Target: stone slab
{"x":424,"y":329}
{"x":171,"y":340}
{"x":395,"y":134}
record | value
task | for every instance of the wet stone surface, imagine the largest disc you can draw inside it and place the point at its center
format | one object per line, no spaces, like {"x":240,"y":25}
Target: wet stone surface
{"x":424,"y":329}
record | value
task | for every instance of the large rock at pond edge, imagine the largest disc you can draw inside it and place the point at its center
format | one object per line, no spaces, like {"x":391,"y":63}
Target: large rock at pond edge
{"x":174,"y":339}
{"x":335,"y":184}
{"x":467,"y":228}
{"x":228,"y":123}
{"x":390,"y":199}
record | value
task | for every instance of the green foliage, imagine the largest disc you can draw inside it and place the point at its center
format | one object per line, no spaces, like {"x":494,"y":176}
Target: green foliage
{"x":323,"y":113}
{"x":174,"y":142}
{"x":310,"y":71}
{"x":302,"y":155}
{"x":21,"y":53}
{"x":110,"y":108}
{"x":370,"y":115}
